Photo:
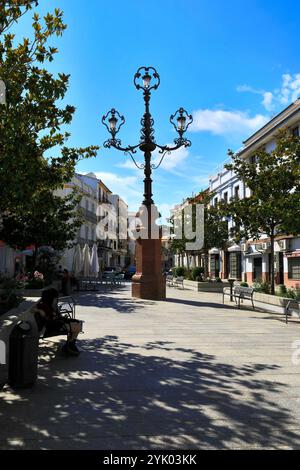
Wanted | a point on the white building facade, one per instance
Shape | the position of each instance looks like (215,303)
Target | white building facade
(120,253)
(251,261)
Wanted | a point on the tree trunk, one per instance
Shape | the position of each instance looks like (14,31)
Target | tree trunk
(272,268)
(188,261)
(206,270)
(35,255)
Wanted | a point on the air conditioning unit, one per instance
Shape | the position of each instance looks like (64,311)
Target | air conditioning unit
(266,246)
(262,246)
(285,245)
(245,247)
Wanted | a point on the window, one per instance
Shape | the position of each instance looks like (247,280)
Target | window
(253,159)
(237,192)
(235,265)
(214,265)
(216,201)
(295,132)
(225,197)
(294,268)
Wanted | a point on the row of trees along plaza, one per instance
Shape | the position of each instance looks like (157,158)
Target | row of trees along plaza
(31,123)
(272,209)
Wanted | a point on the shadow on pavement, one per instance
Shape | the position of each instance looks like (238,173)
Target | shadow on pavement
(112,299)
(195,303)
(129,396)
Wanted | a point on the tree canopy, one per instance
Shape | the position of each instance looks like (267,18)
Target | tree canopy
(34,157)
(273,207)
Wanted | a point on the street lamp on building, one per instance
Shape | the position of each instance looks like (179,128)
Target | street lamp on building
(148,282)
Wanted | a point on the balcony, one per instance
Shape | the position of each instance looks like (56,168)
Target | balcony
(89,216)
(105,245)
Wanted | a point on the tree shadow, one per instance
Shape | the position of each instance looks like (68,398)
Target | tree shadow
(155,395)
(112,299)
(196,303)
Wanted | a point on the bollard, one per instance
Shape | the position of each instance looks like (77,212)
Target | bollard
(23,356)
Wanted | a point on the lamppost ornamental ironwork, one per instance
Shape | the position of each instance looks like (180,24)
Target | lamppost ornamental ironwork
(147,79)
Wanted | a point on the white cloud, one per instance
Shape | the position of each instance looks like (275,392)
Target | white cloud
(129,188)
(127,165)
(268,100)
(170,162)
(290,89)
(288,92)
(173,160)
(245,88)
(227,123)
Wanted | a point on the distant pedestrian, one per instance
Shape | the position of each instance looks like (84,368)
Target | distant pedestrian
(66,283)
(59,272)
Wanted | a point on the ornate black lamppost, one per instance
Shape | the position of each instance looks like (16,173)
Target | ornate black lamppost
(146,285)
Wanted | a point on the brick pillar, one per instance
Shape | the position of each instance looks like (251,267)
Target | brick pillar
(148,282)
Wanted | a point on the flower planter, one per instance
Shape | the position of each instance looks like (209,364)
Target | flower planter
(31,293)
(271,299)
(205,286)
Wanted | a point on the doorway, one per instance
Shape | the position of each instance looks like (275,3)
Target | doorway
(257,268)
(280,268)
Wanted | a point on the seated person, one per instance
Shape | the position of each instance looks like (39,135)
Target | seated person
(47,315)
(59,272)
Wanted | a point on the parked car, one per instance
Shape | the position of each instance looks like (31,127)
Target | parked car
(130,271)
(112,269)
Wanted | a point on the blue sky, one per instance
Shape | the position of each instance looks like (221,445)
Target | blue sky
(232,64)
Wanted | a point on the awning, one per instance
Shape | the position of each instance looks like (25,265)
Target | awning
(234,249)
(295,254)
(214,251)
(255,254)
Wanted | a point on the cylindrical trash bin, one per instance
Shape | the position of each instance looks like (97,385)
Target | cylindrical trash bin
(23,355)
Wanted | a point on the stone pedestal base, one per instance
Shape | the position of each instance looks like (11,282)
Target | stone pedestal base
(148,282)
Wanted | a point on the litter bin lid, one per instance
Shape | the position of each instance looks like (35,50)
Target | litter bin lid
(24,325)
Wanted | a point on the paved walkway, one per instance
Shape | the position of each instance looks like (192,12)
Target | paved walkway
(186,373)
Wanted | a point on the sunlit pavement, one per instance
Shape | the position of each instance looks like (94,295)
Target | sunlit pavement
(188,373)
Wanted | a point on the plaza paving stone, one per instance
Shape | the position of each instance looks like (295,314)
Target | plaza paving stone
(188,373)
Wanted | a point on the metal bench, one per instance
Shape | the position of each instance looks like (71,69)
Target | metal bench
(120,279)
(178,282)
(66,307)
(170,280)
(109,279)
(292,309)
(89,283)
(243,293)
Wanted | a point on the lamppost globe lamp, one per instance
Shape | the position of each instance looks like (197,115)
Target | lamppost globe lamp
(113,123)
(148,282)
(146,80)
